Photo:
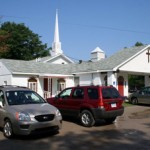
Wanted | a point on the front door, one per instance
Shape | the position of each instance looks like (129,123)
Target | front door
(121,85)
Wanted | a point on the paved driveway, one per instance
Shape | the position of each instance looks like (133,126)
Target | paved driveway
(130,131)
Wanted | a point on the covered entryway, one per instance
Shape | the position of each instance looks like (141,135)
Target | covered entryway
(47,87)
(121,85)
(53,85)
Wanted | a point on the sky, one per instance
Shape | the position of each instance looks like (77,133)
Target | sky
(84,25)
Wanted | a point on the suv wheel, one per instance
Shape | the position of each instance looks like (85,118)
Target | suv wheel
(134,101)
(7,130)
(87,118)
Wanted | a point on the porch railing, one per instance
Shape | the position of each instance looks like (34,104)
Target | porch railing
(47,94)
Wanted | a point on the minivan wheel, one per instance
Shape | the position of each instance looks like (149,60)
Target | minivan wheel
(7,130)
(87,118)
(134,101)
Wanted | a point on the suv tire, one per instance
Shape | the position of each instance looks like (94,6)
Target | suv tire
(7,129)
(87,118)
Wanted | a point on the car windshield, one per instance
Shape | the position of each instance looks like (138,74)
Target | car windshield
(23,97)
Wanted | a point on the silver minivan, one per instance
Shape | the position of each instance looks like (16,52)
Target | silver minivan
(23,112)
(141,96)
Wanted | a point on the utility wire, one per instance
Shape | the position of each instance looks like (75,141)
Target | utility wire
(107,28)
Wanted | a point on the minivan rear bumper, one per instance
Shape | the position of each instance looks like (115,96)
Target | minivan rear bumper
(101,113)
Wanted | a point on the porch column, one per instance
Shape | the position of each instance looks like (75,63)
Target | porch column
(112,79)
(126,84)
(147,80)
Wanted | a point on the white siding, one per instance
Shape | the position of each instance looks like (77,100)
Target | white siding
(138,64)
(96,79)
(22,80)
(59,61)
(91,79)
(85,79)
(5,75)
(69,82)
(112,79)
(5,79)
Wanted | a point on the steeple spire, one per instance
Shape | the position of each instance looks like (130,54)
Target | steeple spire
(56,45)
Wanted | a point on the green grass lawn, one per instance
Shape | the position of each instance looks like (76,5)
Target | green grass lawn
(126,104)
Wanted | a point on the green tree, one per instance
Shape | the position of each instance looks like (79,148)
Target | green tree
(20,42)
(135,82)
(3,37)
(138,44)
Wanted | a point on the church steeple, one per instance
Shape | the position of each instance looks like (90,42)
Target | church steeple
(56,45)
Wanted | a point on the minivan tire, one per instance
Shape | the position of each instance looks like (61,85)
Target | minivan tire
(7,129)
(86,118)
(134,101)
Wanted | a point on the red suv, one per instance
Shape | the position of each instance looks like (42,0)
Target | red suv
(89,103)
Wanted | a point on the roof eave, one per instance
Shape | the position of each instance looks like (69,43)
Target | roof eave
(43,74)
(89,72)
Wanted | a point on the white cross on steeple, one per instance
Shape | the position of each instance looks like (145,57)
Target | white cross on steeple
(56,45)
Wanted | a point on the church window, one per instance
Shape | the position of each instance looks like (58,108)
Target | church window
(32,84)
(61,84)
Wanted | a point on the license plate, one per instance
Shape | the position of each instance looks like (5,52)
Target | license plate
(113,105)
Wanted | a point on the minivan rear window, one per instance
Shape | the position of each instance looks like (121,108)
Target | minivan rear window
(109,93)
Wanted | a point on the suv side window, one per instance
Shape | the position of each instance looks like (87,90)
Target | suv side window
(65,93)
(78,93)
(92,93)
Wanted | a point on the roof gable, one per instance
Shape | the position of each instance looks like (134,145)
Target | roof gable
(121,57)
(57,59)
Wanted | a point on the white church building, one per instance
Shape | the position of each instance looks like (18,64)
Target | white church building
(51,74)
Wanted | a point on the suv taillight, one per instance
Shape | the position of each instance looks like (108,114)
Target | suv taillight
(101,104)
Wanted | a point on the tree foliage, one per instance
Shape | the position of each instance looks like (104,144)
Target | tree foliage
(3,37)
(139,44)
(135,82)
(18,42)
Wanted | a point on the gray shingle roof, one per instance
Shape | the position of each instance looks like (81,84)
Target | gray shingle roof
(19,66)
(108,63)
